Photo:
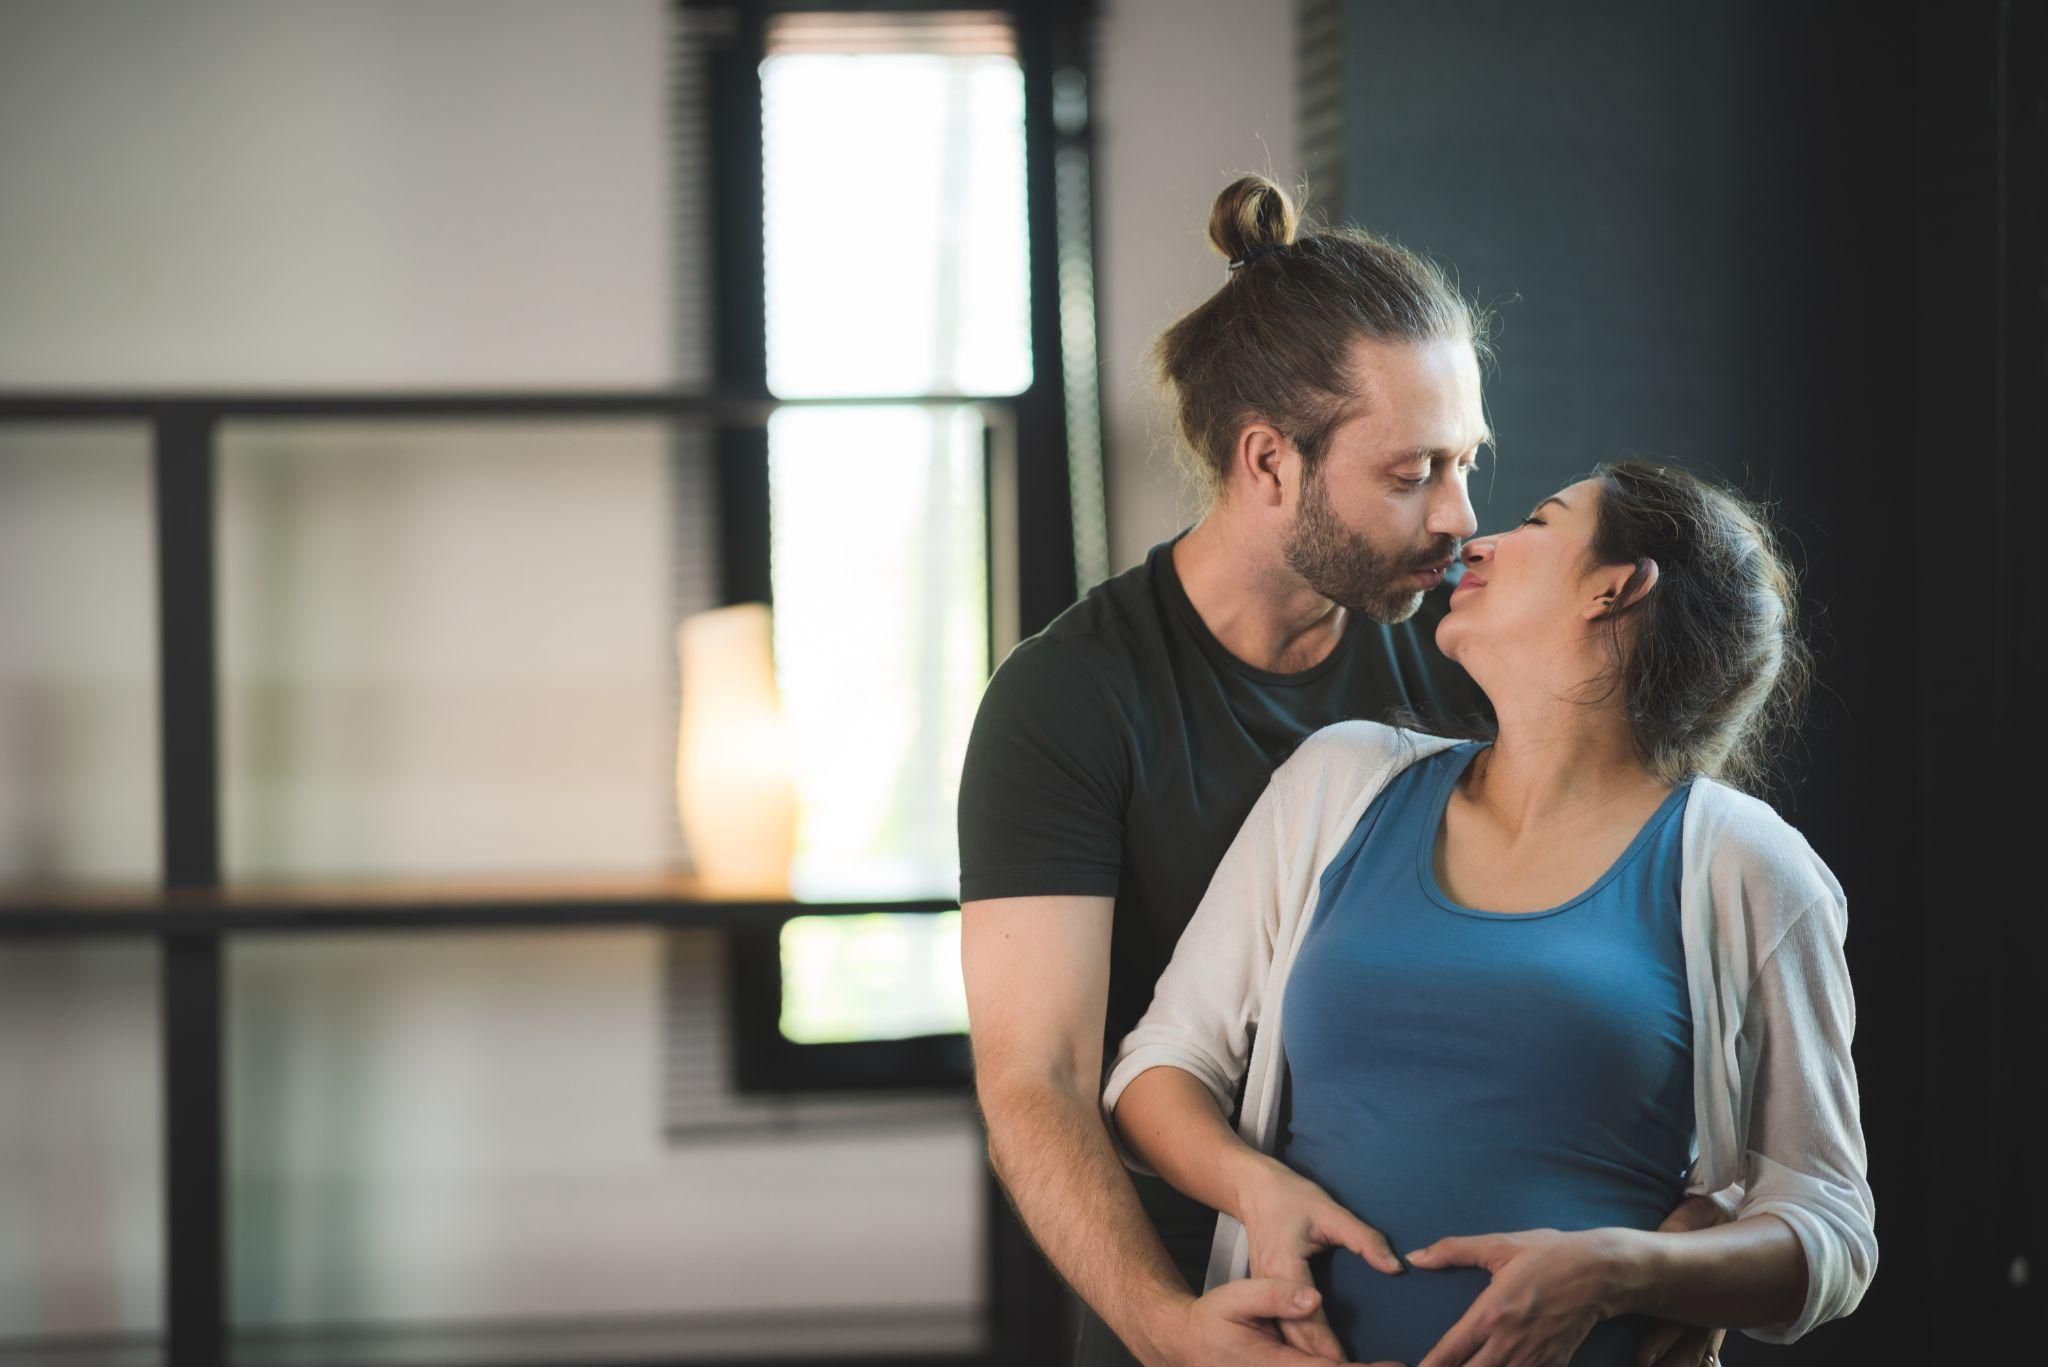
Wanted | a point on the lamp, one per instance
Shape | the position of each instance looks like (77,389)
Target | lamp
(734,790)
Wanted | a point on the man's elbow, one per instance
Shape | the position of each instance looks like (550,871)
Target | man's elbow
(1021,1091)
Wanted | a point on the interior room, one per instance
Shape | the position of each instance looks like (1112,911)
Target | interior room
(510,511)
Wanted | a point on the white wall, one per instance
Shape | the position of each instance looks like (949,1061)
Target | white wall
(447,193)
(296,192)
(443,649)
(1191,94)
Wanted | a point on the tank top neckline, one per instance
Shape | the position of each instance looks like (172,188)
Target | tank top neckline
(1440,802)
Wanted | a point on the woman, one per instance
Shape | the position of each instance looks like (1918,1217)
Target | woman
(1538,988)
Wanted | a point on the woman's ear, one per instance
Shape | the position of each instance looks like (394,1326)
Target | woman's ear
(1610,600)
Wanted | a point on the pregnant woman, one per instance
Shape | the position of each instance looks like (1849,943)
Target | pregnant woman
(1499,1004)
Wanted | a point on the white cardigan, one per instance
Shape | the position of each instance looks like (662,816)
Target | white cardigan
(1763,920)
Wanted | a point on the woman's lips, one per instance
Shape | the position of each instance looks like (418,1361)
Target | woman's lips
(1470,580)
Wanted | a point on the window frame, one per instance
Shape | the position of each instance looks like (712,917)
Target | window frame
(1029,513)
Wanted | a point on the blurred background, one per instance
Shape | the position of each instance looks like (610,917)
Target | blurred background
(408,412)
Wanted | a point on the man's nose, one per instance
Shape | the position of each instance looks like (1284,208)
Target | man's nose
(1453,515)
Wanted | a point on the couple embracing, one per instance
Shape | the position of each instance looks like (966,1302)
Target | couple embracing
(1362,972)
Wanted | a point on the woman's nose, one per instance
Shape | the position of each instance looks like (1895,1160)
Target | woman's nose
(1477,550)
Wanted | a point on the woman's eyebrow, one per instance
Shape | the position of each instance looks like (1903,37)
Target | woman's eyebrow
(1552,499)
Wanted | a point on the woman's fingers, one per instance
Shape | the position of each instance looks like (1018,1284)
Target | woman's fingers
(1339,1226)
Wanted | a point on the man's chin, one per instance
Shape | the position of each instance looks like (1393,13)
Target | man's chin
(1393,611)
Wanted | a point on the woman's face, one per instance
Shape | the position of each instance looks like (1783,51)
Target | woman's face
(1528,594)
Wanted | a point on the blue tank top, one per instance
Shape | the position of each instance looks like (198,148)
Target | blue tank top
(1458,1071)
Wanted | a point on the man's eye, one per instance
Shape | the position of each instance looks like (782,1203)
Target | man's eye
(1414,483)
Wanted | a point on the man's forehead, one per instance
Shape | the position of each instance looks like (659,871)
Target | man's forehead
(1407,413)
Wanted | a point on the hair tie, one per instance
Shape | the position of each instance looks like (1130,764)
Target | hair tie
(1257,252)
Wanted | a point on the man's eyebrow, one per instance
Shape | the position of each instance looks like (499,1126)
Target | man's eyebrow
(1438,452)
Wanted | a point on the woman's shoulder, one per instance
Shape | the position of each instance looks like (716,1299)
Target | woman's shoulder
(1336,769)
(1359,748)
(1751,856)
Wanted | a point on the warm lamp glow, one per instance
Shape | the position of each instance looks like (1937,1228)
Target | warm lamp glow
(734,789)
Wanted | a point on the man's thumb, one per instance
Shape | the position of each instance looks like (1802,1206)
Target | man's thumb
(1266,1298)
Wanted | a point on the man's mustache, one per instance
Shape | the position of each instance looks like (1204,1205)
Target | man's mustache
(1448,549)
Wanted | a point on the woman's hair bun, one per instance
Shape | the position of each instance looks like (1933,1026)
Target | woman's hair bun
(1252,212)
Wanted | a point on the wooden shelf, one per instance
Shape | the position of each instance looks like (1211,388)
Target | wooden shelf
(662,899)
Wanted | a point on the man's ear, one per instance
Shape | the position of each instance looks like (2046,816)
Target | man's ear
(1615,584)
(1261,459)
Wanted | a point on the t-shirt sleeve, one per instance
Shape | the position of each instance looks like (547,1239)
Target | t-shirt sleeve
(1042,789)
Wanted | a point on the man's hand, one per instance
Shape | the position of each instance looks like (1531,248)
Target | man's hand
(1235,1326)
(1288,1219)
(1668,1344)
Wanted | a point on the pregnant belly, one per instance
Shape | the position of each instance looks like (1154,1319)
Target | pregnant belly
(1401,1317)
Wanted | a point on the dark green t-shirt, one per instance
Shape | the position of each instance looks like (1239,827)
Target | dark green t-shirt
(1117,752)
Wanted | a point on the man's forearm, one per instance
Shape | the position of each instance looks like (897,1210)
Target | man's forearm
(1739,1275)
(1048,1146)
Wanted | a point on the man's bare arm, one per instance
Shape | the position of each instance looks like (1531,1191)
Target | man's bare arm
(1037,974)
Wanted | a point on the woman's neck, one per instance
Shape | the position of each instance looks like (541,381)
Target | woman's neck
(1558,765)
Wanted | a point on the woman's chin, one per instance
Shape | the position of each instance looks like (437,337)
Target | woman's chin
(1450,634)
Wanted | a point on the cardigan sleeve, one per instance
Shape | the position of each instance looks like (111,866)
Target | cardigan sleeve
(1804,1159)
(1205,1008)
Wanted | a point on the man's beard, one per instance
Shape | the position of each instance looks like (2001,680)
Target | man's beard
(1348,570)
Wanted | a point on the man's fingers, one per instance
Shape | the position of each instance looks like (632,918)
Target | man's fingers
(1694,1212)
(1278,1355)
(1657,1341)
(1682,1346)
(1265,1298)
(1313,1334)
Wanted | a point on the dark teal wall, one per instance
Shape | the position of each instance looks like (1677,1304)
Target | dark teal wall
(1802,245)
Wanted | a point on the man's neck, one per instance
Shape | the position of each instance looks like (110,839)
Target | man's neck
(1252,602)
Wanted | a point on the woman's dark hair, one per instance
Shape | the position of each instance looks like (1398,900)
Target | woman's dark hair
(1709,662)
(1274,342)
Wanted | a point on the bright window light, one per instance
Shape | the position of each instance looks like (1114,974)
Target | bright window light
(878,566)
(883,976)
(894,231)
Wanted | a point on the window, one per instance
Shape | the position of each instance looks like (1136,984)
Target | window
(895,266)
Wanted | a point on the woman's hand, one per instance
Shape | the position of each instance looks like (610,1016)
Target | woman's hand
(1549,1289)
(1287,1218)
